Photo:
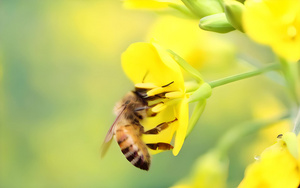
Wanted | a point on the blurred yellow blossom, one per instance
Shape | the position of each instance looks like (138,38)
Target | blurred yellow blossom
(185,37)
(275,23)
(200,48)
(153,70)
(268,107)
(86,22)
(210,171)
(278,166)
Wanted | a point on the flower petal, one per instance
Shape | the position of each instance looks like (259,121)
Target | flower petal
(182,114)
(149,63)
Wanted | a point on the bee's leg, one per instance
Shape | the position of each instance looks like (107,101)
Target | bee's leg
(160,146)
(142,108)
(160,127)
(141,92)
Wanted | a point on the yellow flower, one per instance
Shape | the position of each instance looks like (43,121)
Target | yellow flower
(186,38)
(151,68)
(277,167)
(149,4)
(275,23)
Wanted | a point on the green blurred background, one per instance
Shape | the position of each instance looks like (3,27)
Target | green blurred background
(60,77)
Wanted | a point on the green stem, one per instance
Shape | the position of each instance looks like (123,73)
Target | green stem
(236,133)
(242,76)
(297,124)
(291,73)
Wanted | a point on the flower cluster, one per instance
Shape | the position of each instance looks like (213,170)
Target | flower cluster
(157,76)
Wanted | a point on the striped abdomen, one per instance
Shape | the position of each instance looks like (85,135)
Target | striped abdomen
(136,152)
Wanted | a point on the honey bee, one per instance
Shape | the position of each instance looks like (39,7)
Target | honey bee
(127,129)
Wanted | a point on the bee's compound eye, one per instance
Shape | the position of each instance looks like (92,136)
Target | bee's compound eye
(127,102)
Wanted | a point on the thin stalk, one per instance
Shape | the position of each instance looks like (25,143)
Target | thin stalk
(297,124)
(242,76)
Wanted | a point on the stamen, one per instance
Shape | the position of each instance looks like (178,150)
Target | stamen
(174,94)
(156,91)
(159,107)
(145,85)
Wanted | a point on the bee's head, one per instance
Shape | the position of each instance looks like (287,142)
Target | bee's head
(127,99)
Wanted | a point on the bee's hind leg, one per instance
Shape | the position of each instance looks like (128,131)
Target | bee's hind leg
(156,130)
(160,127)
(160,146)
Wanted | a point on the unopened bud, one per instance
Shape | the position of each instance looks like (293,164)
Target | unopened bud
(203,8)
(216,23)
(233,11)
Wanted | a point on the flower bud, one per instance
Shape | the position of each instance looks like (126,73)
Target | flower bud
(216,23)
(233,11)
(202,8)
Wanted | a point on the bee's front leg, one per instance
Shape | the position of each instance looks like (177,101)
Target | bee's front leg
(160,127)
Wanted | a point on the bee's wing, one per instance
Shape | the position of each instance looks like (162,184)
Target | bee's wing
(109,135)
(110,132)
(104,148)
